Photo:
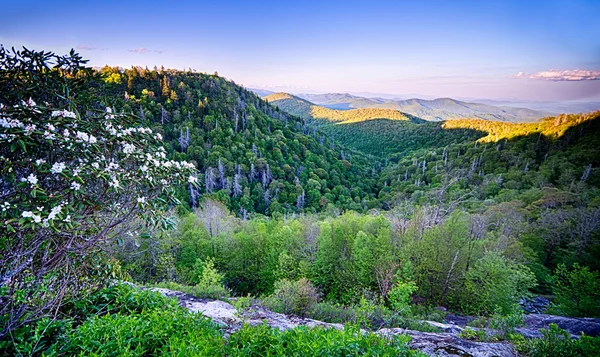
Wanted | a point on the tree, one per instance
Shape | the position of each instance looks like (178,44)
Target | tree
(72,173)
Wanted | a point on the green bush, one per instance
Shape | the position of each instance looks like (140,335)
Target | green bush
(264,341)
(149,333)
(505,324)
(557,342)
(211,282)
(577,292)
(495,282)
(473,334)
(293,297)
(399,296)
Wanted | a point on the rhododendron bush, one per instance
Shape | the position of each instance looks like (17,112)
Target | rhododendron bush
(72,172)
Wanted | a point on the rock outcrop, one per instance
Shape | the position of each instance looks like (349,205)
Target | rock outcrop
(445,343)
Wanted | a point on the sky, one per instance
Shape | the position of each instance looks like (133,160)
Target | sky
(526,50)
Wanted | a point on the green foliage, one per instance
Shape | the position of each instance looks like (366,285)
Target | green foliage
(149,333)
(399,296)
(293,297)
(577,291)
(473,334)
(65,165)
(211,282)
(505,323)
(557,342)
(264,341)
(496,283)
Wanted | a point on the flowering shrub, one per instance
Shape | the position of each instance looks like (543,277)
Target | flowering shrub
(70,176)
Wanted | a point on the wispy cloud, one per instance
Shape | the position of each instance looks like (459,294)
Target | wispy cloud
(562,75)
(86,48)
(144,50)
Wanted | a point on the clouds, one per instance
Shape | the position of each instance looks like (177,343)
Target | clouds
(144,50)
(85,48)
(562,75)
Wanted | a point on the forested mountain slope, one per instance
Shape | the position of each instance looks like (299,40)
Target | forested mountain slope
(432,110)
(251,155)
(308,110)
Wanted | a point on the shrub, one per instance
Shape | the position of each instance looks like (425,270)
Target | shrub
(150,333)
(399,296)
(293,297)
(211,282)
(73,173)
(302,341)
(505,324)
(577,292)
(473,334)
(495,282)
(557,342)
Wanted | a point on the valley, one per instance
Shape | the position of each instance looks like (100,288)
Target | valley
(369,218)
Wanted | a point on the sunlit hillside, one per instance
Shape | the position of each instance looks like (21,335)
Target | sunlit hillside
(308,110)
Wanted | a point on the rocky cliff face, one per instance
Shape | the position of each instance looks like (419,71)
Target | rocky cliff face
(445,343)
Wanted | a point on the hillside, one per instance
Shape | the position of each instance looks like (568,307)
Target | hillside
(306,109)
(250,154)
(432,110)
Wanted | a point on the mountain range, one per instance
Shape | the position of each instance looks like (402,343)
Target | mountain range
(431,110)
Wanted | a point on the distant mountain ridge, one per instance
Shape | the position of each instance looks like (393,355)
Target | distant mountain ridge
(305,109)
(432,110)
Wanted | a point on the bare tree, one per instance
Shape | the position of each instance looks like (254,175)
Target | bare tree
(184,139)
(209,180)
(237,187)
(216,219)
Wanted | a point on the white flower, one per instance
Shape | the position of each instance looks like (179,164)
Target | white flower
(144,168)
(113,183)
(67,219)
(75,186)
(29,129)
(5,206)
(95,165)
(192,179)
(57,168)
(31,179)
(40,161)
(128,148)
(109,110)
(64,114)
(141,199)
(28,214)
(48,135)
(54,212)
(10,123)
(163,181)
(82,136)
(158,136)
(50,127)
(30,103)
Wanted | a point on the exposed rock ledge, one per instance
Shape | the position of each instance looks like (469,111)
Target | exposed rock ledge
(446,343)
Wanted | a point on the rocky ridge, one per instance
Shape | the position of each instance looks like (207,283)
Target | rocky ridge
(444,343)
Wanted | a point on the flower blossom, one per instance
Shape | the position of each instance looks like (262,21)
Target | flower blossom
(32,179)
(28,214)
(63,113)
(57,168)
(75,186)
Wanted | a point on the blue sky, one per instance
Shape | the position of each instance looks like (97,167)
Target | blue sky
(480,49)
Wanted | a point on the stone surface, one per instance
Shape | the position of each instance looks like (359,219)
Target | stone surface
(219,311)
(445,344)
(536,305)
(575,326)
